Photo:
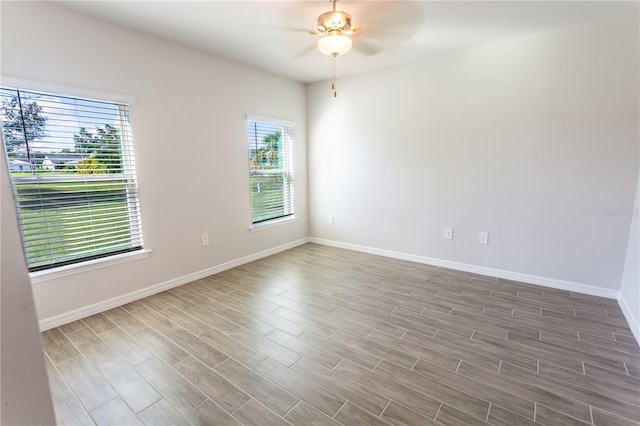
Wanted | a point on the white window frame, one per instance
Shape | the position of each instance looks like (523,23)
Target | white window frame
(69,91)
(287,140)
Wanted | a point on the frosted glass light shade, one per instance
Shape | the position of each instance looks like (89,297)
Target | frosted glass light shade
(334,44)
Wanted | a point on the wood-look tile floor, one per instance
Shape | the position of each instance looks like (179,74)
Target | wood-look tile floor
(319,335)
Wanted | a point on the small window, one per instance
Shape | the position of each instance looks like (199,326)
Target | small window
(271,169)
(73,175)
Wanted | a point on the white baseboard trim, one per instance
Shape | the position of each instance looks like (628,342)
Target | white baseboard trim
(634,322)
(95,308)
(85,311)
(499,273)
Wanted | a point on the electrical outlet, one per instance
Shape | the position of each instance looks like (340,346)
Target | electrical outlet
(330,219)
(483,238)
(448,233)
(205,239)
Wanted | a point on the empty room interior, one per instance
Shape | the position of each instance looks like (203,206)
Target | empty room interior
(320,212)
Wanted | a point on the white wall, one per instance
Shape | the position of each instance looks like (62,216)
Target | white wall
(190,140)
(630,288)
(531,139)
(25,398)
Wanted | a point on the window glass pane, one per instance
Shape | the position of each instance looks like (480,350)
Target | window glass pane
(73,174)
(270,165)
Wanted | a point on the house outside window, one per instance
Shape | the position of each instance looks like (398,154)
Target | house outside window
(270,169)
(72,170)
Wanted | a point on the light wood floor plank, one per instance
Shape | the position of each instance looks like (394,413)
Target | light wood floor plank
(324,400)
(89,385)
(126,346)
(442,392)
(347,389)
(304,414)
(198,348)
(162,413)
(413,399)
(351,414)
(208,413)
(322,335)
(258,387)
(178,391)
(124,320)
(255,414)
(308,350)
(124,379)
(216,387)
(498,397)
(402,416)
(58,346)
(161,346)
(115,413)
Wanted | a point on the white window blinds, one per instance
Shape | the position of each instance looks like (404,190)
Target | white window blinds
(271,169)
(73,174)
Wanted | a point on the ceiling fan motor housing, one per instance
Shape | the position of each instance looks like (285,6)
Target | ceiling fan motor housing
(334,21)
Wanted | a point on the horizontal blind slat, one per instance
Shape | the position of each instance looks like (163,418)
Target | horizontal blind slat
(73,178)
(271,177)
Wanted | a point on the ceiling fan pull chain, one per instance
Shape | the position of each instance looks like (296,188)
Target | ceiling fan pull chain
(335,27)
(333,74)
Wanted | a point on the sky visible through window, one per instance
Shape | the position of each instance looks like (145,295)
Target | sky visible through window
(256,135)
(64,118)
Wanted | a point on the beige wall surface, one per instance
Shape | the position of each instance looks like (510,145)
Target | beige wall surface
(630,287)
(189,126)
(534,140)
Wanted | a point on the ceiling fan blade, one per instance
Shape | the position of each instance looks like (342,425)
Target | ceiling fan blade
(306,51)
(282,28)
(366,48)
(386,24)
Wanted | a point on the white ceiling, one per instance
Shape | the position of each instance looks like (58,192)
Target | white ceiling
(252,32)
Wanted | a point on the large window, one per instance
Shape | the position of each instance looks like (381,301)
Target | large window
(271,171)
(73,174)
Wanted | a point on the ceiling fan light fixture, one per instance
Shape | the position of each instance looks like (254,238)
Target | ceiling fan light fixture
(334,25)
(334,44)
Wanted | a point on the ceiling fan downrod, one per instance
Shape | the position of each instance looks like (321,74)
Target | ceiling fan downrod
(335,20)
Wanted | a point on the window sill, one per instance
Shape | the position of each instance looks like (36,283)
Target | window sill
(272,223)
(79,268)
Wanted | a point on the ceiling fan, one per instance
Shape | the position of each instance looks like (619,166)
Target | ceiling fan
(380,25)
(336,27)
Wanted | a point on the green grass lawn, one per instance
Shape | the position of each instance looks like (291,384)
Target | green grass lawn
(74,233)
(73,220)
(43,173)
(268,203)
